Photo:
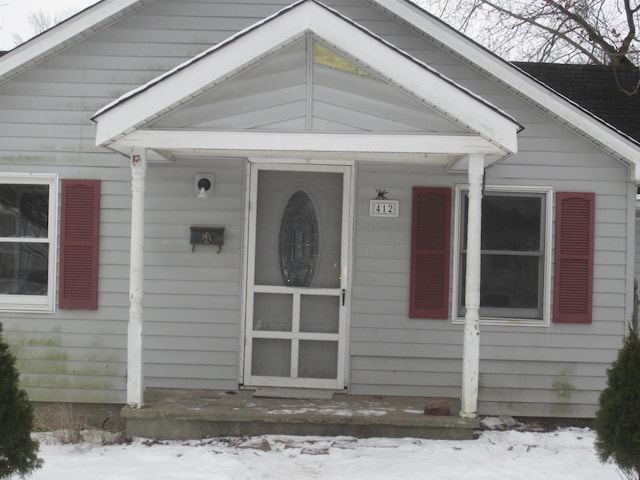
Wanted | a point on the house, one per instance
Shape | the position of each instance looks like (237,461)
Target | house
(347,195)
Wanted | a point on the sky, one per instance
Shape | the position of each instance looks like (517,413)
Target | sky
(14,15)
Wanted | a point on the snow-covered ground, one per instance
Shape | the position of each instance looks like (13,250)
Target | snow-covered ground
(564,454)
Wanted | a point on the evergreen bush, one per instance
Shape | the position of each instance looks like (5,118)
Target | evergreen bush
(617,421)
(18,451)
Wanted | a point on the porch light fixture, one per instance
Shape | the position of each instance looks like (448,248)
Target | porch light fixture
(203,184)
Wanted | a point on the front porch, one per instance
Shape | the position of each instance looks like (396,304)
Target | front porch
(192,414)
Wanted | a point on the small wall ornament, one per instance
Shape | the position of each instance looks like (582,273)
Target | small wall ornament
(382,194)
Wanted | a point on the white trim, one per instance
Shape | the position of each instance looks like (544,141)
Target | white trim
(182,84)
(345,282)
(545,321)
(471,334)
(251,143)
(37,303)
(246,207)
(135,329)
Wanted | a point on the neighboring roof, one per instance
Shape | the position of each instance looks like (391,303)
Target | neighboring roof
(595,88)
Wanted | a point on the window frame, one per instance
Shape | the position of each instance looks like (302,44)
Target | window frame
(36,303)
(547,193)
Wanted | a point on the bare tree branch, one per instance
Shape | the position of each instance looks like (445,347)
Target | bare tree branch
(40,21)
(600,30)
(573,31)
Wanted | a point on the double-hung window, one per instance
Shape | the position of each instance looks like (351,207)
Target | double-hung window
(28,220)
(515,263)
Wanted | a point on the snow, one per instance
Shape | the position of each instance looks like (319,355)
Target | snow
(563,454)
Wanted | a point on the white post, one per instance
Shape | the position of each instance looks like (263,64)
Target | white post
(471,342)
(135,388)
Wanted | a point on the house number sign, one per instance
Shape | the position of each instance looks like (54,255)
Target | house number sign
(384,208)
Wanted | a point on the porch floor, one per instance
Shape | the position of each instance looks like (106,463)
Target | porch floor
(193,414)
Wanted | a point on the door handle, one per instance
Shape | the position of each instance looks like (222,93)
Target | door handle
(344,296)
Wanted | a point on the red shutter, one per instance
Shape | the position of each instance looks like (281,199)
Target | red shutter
(430,253)
(573,274)
(79,244)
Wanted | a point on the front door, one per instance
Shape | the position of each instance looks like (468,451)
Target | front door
(297,276)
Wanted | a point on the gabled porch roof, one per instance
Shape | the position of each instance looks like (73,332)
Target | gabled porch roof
(128,122)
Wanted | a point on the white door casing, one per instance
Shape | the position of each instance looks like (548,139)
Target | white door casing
(296,335)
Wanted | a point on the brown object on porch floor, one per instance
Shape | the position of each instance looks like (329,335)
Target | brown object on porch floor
(437,407)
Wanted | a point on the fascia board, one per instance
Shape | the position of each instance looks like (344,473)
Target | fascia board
(59,37)
(248,141)
(182,85)
(511,77)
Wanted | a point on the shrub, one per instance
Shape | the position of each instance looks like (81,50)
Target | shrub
(18,451)
(617,421)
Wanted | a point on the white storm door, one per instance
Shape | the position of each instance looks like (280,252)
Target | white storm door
(297,280)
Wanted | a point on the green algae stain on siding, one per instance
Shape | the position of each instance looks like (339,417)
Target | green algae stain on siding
(51,371)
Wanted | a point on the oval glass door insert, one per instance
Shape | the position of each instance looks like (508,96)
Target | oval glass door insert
(298,243)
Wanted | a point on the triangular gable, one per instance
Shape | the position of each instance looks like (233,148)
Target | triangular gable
(310,87)
(493,131)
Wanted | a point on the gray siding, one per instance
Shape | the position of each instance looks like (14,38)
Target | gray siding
(193,299)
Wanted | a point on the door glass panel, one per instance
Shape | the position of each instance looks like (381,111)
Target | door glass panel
(275,191)
(272,312)
(271,357)
(318,359)
(319,314)
(298,241)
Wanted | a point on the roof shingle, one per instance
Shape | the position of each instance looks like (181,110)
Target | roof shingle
(594,88)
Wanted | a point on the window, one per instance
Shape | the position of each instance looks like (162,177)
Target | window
(28,219)
(514,255)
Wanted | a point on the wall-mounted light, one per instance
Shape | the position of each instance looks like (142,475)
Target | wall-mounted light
(203,185)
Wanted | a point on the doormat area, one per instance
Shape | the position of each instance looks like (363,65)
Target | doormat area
(296,393)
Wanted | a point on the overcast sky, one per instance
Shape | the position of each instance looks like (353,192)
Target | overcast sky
(14,15)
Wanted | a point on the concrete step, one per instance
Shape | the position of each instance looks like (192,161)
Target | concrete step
(195,414)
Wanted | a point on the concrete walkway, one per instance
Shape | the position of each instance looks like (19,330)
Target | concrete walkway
(193,414)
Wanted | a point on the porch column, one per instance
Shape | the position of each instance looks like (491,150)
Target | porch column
(471,342)
(135,387)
